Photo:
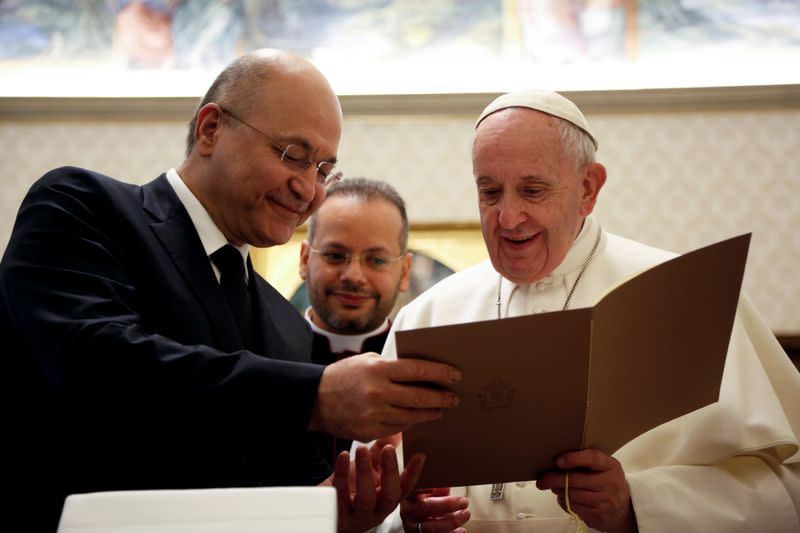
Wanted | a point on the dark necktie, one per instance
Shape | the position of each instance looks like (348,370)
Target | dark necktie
(232,281)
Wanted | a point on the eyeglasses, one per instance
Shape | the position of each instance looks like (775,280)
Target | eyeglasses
(296,157)
(372,261)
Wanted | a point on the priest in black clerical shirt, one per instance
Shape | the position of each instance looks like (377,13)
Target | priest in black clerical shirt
(355,263)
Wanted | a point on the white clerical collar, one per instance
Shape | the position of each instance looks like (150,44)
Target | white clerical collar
(580,249)
(346,343)
(210,235)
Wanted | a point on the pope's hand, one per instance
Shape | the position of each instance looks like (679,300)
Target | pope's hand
(598,491)
(365,397)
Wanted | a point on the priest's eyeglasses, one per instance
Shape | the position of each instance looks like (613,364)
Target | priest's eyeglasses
(373,261)
(296,157)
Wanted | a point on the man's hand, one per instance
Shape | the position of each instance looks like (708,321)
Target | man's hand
(434,511)
(362,502)
(598,491)
(365,397)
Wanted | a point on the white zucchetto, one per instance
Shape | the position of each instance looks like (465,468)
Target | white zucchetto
(548,102)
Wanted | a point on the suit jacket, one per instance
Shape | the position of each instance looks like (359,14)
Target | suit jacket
(123,367)
(329,445)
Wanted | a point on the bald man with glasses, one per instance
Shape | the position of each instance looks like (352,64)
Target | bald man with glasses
(142,351)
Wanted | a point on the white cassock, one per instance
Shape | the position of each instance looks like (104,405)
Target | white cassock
(731,466)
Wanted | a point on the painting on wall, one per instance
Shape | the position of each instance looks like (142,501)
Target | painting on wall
(174,47)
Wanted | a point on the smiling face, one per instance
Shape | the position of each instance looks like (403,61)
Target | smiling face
(532,200)
(238,175)
(352,297)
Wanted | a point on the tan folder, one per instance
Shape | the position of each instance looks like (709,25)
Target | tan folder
(533,387)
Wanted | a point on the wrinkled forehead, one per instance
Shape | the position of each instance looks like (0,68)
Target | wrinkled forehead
(514,128)
(516,143)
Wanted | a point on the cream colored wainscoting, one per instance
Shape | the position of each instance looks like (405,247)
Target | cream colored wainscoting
(683,171)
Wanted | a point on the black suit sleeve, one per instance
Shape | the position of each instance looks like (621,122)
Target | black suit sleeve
(75,292)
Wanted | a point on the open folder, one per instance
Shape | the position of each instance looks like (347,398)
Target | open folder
(651,350)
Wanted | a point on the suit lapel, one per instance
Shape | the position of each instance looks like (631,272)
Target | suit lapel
(174,229)
(259,332)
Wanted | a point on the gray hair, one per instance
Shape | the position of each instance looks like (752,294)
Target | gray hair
(366,190)
(575,142)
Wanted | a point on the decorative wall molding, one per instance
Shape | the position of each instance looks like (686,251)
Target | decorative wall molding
(650,100)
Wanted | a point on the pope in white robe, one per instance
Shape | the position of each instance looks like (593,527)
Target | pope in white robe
(732,466)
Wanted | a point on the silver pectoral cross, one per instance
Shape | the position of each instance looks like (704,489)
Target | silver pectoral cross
(497,491)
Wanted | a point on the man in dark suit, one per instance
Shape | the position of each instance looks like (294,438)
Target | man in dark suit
(143,352)
(355,263)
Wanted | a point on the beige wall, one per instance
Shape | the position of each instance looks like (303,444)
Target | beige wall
(684,170)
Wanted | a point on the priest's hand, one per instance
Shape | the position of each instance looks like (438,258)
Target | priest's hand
(598,491)
(370,488)
(365,397)
(434,511)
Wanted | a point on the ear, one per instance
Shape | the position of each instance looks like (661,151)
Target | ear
(594,178)
(405,271)
(304,253)
(209,121)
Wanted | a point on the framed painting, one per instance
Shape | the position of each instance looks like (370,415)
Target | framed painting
(153,48)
